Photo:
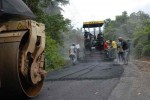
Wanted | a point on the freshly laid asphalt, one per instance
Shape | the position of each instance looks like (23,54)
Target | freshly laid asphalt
(91,79)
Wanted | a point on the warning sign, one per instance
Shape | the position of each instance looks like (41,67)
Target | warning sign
(20,26)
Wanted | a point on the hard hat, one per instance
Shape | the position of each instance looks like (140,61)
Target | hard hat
(120,38)
(108,41)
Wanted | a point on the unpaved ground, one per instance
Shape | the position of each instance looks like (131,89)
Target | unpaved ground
(143,65)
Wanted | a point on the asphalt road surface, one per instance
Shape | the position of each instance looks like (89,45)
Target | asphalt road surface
(92,79)
(96,78)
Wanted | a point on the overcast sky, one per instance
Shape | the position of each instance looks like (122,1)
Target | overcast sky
(91,10)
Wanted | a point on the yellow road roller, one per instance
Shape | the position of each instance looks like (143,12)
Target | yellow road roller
(22,50)
(22,58)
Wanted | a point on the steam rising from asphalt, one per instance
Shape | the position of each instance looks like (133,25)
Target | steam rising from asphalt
(73,36)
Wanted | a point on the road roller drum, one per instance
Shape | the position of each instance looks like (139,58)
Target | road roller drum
(22,58)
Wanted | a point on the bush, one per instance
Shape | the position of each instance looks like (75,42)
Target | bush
(138,51)
(54,59)
(146,51)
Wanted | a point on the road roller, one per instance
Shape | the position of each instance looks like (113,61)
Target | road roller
(22,58)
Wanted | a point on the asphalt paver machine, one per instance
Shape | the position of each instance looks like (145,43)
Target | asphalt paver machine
(91,39)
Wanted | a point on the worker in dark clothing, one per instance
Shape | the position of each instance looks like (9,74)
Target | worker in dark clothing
(88,40)
(100,41)
(125,49)
(88,35)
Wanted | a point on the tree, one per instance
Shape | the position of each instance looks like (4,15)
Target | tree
(122,19)
(135,27)
(48,6)
(53,6)
(55,26)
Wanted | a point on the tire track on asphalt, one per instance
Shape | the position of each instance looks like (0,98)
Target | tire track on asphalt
(82,74)
(79,71)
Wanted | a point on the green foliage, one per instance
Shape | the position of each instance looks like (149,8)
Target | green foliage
(146,51)
(110,36)
(120,20)
(40,5)
(143,39)
(141,36)
(33,4)
(136,26)
(55,26)
(138,51)
(46,3)
(117,27)
(53,58)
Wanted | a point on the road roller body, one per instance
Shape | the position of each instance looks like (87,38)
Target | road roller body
(22,58)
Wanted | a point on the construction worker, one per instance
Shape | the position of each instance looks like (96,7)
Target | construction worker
(124,46)
(78,51)
(113,48)
(73,53)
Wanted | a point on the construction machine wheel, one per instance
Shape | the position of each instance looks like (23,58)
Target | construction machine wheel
(22,69)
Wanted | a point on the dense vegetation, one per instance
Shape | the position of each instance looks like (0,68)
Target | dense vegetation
(49,13)
(135,27)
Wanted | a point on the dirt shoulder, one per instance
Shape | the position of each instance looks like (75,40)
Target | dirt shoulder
(143,64)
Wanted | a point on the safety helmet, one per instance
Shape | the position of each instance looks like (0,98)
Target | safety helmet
(120,38)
